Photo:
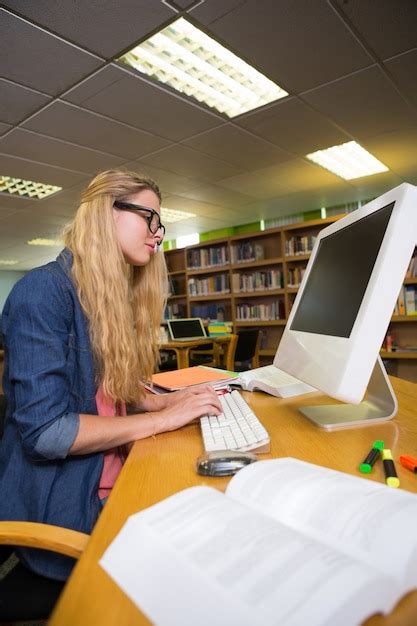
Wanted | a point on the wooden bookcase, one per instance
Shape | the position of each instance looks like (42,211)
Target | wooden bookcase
(251,280)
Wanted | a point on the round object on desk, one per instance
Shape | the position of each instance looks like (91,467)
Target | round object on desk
(223,463)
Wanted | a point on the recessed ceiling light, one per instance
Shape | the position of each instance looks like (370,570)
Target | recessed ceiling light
(193,63)
(26,188)
(349,160)
(172,215)
(45,242)
(8,262)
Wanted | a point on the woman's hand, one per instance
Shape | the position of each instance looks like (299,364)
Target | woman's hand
(185,405)
(158,402)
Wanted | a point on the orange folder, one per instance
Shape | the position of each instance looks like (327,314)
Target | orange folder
(178,379)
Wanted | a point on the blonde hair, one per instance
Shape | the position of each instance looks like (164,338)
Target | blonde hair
(123,304)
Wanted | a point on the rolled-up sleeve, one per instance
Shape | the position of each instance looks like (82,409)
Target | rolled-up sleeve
(39,317)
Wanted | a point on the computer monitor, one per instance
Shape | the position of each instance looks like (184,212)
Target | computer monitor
(343,307)
(186,329)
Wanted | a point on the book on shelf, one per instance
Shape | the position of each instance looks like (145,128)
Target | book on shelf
(217,329)
(410,300)
(287,543)
(412,268)
(300,244)
(272,380)
(273,310)
(407,301)
(247,251)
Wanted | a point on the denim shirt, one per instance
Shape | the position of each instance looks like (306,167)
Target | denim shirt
(49,379)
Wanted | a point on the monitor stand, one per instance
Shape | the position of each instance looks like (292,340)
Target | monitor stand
(379,405)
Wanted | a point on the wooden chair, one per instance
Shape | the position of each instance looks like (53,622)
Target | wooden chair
(25,595)
(229,353)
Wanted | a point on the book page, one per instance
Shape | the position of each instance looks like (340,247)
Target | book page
(274,381)
(199,557)
(368,520)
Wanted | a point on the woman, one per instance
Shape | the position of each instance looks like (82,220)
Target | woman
(81,336)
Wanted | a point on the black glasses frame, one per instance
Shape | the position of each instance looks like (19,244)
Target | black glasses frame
(153,219)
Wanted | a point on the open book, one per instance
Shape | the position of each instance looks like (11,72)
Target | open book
(289,543)
(273,381)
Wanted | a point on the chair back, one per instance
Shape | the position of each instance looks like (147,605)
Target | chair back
(247,348)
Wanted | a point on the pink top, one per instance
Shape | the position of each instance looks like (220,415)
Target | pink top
(114,458)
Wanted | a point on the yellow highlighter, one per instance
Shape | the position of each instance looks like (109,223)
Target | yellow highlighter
(391,477)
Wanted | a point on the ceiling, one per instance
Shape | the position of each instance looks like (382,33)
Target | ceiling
(68,110)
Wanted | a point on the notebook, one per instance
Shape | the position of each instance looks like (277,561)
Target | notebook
(186,329)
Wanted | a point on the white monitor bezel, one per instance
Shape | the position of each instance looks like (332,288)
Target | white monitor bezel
(338,366)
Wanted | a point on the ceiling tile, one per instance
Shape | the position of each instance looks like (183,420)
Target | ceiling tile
(54,64)
(285,41)
(142,104)
(4,128)
(168,182)
(18,102)
(29,170)
(88,129)
(403,69)
(386,26)
(294,126)
(29,145)
(102,27)
(201,209)
(185,161)
(397,150)
(15,203)
(380,184)
(95,84)
(207,12)
(213,194)
(363,104)
(280,180)
(238,147)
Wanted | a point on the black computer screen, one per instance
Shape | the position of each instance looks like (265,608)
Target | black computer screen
(340,274)
(187,328)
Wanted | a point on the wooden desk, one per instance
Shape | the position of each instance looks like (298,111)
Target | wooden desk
(182,348)
(157,468)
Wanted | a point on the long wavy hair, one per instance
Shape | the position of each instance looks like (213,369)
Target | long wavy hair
(123,303)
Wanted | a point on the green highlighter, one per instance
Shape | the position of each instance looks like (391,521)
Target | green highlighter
(375,452)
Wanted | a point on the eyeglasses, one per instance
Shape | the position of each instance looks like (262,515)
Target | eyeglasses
(150,215)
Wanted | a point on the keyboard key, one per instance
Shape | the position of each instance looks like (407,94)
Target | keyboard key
(237,428)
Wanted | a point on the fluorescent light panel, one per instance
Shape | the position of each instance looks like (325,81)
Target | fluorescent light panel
(172,215)
(349,160)
(45,242)
(193,63)
(26,188)
(8,262)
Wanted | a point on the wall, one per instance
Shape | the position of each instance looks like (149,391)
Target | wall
(7,280)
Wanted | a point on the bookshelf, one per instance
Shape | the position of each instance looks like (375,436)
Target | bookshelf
(251,280)
(177,305)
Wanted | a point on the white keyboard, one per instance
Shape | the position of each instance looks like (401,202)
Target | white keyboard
(237,428)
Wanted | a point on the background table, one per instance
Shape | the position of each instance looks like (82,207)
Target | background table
(182,348)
